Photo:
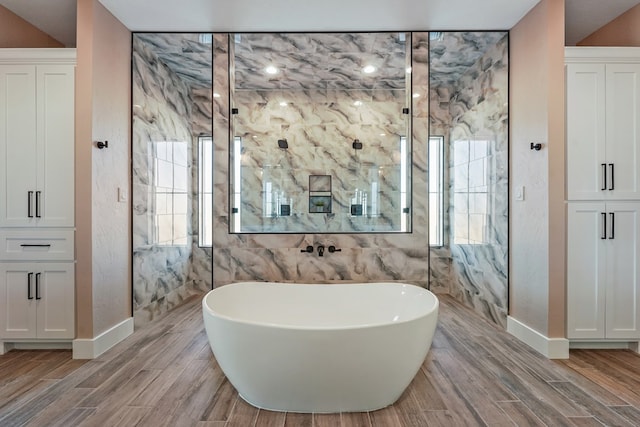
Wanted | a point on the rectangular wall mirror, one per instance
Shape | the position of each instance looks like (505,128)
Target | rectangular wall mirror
(311,109)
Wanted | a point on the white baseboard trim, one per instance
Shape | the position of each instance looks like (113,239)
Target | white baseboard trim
(552,348)
(91,348)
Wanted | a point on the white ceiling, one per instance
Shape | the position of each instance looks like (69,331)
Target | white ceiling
(57,17)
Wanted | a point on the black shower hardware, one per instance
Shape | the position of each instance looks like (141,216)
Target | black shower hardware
(308,249)
(536,146)
(282,143)
(357,145)
(102,145)
(333,249)
(320,250)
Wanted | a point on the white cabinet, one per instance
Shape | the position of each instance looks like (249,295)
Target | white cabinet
(603,282)
(603,193)
(603,130)
(37,145)
(37,300)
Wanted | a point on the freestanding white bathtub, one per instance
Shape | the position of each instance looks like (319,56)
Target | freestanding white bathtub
(320,348)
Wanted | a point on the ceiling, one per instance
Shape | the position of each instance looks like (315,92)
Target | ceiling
(58,17)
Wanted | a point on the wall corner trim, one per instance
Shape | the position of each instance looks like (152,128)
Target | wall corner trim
(94,347)
(552,348)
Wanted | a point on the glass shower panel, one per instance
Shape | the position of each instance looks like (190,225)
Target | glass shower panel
(171,114)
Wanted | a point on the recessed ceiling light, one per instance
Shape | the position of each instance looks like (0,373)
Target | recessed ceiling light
(271,70)
(216,95)
(357,103)
(283,103)
(416,95)
(369,69)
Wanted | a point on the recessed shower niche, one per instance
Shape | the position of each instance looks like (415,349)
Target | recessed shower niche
(310,108)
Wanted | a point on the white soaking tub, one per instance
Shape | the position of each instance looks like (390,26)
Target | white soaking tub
(320,348)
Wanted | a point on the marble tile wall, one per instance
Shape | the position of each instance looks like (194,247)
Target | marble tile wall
(165,114)
(396,257)
(478,184)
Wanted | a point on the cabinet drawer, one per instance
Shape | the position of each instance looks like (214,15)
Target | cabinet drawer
(36,245)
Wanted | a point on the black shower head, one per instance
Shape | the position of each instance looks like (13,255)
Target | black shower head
(282,143)
(357,145)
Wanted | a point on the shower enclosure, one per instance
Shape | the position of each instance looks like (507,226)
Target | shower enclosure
(234,173)
(172,169)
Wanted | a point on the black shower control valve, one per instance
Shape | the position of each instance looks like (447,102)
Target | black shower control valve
(333,249)
(308,249)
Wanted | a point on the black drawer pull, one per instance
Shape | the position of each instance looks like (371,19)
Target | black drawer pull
(29,198)
(38,285)
(613,225)
(38,204)
(29,245)
(612,173)
(29,276)
(603,236)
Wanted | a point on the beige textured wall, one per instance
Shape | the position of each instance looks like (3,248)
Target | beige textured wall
(16,32)
(103,272)
(537,115)
(622,31)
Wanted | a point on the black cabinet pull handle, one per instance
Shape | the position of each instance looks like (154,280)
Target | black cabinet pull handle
(29,245)
(333,249)
(613,225)
(604,226)
(29,276)
(308,249)
(604,176)
(38,286)
(29,198)
(38,204)
(611,168)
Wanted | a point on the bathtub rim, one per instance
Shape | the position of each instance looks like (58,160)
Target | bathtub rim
(434,308)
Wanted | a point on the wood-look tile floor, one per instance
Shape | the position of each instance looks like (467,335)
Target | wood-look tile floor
(474,375)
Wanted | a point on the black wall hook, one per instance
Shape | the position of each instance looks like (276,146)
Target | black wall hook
(535,146)
(102,145)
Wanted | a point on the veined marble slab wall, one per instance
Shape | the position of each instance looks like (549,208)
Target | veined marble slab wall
(478,185)
(320,127)
(401,257)
(166,268)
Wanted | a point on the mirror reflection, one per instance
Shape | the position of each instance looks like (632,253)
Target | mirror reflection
(320,126)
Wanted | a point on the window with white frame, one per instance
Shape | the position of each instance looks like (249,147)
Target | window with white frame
(436,191)
(205,191)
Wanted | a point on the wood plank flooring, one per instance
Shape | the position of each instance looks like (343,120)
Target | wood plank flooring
(475,375)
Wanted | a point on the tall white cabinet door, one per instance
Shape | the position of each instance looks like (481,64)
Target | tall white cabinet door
(18,153)
(586,270)
(54,198)
(623,131)
(623,280)
(17,301)
(586,132)
(54,288)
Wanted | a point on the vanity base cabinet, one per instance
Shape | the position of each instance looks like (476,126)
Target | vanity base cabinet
(37,301)
(603,282)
